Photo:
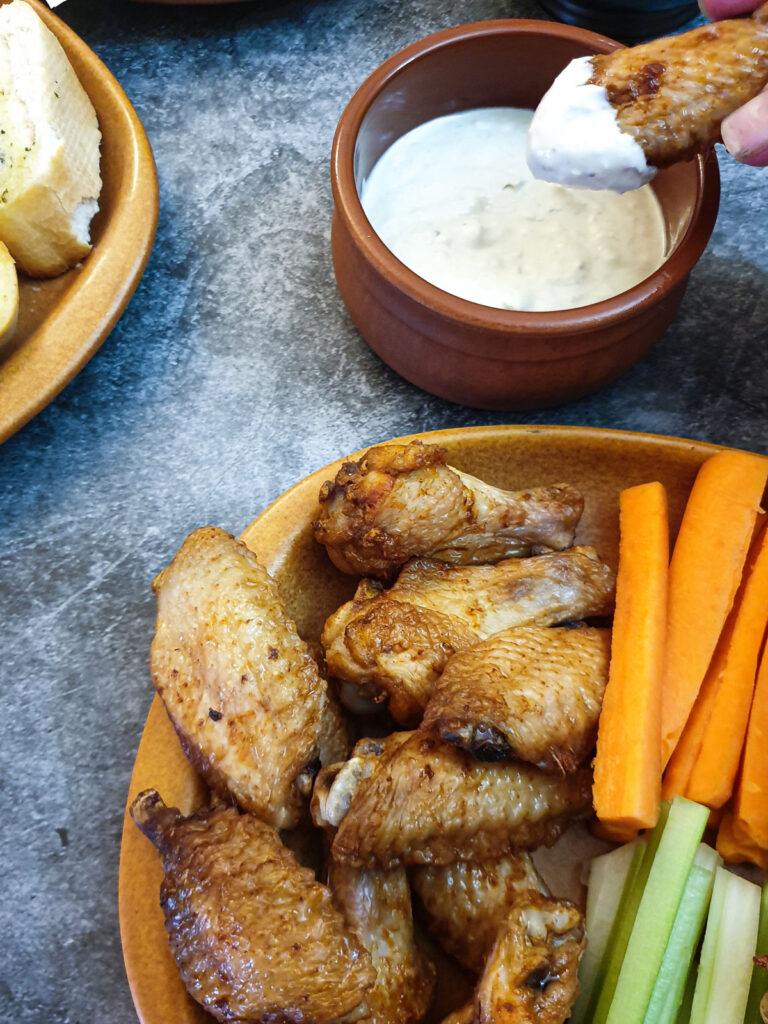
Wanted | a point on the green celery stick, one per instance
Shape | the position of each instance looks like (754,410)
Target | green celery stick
(669,988)
(656,912)
(759,985)
(725,971)
(684,1013)
(607,876)
(602,996)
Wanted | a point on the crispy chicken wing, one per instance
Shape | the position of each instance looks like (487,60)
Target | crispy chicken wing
(531,975)
(238,683)
(467,903)
(255,937)
(530,692)
(376,906)
(400,640)
(423,801)
(403,500)
(672,94)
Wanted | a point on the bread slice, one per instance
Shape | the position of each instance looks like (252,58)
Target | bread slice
(9,297)
(49,148)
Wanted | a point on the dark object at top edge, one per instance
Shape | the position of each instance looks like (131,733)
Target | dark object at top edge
(624,21)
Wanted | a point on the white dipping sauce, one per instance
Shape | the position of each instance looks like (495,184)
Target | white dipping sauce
(575,138)
(454,201)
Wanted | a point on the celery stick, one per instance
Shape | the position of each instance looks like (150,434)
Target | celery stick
(607,875)
(684,1013)
(656,911)
(669,988)
(602,996)
(725,971)
(759,985)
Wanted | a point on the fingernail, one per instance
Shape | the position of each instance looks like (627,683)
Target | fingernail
(745,132)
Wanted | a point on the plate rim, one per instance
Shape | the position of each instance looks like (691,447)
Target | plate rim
(269,521)
(28,382)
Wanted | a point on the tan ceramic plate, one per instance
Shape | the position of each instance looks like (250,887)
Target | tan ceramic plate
(63,321)
(600,462)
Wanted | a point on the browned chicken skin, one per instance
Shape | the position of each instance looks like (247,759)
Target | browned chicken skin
(671,95)
(530,692)
(376,906)
(427,802)
(254,936)
(400,640)
(403,500)
(467,903)
(531,975)
(245,697)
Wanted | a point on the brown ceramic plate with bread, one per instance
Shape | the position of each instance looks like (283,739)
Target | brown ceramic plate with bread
(599,462)
(63,321)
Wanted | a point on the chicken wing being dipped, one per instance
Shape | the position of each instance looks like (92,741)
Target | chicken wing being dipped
(531,974)
(423,801)
(254,936)
(531,692)
(467,903)
(376,906)
(399,640)
(245,697)
(610,121)
(403,500)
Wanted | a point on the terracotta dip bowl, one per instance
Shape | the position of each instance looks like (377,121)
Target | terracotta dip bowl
(461,350)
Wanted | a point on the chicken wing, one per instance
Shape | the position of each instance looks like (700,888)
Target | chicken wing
(531,975)
(254,936)
(657,103)
(245,697)
(376,906)
(400,640)
(531,692)
(427,802)
(403,500)
(467,903)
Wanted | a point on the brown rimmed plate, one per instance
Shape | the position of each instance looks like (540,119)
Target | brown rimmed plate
(63,321)
(600,462)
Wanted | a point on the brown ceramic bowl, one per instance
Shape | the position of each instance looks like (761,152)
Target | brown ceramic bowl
(461,350)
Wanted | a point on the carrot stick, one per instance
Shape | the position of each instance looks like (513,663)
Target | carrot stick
(627,782)
(750,801)
(734,849)
(704,574)
(713,775)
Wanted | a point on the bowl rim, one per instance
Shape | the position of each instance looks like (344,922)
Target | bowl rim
(580,320)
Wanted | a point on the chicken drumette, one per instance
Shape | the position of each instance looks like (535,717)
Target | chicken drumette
(254,936)
(246,699)
(403,500)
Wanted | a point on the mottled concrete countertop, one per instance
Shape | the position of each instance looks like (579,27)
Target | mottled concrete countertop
(234,372)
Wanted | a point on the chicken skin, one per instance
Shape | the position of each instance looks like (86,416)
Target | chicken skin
(254,936)
(398,641)
(376,906)
(531,975)
(423,801)
(671,95)
(467,903)
(244,696)
(403,500)
(531,692)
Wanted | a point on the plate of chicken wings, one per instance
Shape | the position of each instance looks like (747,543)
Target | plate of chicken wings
(342,809)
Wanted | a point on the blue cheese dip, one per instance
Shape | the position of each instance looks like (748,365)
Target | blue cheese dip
(454,201)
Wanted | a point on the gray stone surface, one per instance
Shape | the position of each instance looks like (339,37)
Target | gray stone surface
(234,372)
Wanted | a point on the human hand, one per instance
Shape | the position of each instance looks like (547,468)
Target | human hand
(745,132)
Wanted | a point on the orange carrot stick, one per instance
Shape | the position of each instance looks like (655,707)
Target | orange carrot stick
(704,574)
(734,849)
(750,801)
(713,775)
(627,784)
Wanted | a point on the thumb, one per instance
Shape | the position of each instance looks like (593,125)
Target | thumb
(717,9)
(745,132)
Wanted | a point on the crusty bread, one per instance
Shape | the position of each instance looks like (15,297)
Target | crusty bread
(49,148)
(9,297)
